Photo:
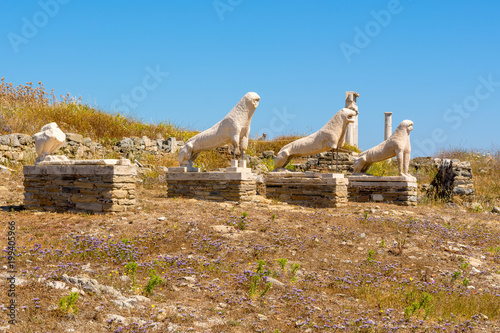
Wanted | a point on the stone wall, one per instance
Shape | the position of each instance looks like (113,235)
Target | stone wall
(323,162)
(80,188)
(307,189)
(20,148)
(453,178)
(317,163)
(16,147)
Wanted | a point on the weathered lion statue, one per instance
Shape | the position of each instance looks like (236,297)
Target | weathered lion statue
(398,144)
(233,129)
(329,137)
(47,141)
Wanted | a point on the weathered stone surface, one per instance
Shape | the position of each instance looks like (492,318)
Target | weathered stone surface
(214,186)
(453,178)
(47,141)
(399,190)
(79,188)
(74,137)
(307,189)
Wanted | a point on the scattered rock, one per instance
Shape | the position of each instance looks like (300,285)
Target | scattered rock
(476,206)
(5,170)
(74,137)
(268,154)
(117,318)
(261,317)
(276,283)
(188,279)
(87,268)
(451,205)
(496,210)
(162,218)
(161,316)
(452,249)
(223,228)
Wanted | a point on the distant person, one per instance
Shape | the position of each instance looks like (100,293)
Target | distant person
(264,135)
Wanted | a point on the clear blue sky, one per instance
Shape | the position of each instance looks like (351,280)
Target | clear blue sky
(436,63)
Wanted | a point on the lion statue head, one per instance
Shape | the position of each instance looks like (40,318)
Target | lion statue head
(251,99)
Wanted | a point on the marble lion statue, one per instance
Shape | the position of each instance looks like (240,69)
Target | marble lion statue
(398,144)
(330,136)
(233,129)
(47,141)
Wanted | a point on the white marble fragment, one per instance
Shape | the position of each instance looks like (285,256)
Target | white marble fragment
(47,141)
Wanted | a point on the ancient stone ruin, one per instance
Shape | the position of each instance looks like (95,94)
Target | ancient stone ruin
(236,183)
(56,183)
(454,178)
(307,189)
(399,190)
(96,186)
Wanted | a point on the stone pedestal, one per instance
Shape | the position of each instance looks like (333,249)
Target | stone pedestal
(80,186)
(393,189)
(234,184)
(307,188)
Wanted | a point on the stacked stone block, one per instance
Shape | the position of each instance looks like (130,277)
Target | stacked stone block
(80,188)
(453,178)
(396,190)
(307,188)
(324,162)
(236,185)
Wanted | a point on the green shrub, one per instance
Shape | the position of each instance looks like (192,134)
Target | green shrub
(67,304)
(154,281)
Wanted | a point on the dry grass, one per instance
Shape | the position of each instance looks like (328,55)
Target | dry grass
(257,147)
(486,172)
(26,108)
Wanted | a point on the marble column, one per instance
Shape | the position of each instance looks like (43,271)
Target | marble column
(388,125)
(351,136)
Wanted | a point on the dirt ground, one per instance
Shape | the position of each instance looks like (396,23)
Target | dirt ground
(261,266)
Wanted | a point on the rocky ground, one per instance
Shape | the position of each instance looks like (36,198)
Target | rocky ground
(176,265)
